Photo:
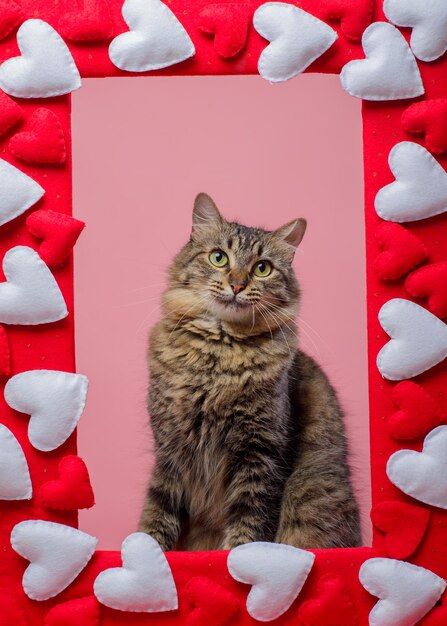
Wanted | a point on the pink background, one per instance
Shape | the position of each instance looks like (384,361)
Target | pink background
(142,149)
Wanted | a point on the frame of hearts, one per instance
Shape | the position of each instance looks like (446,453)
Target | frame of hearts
(391,55)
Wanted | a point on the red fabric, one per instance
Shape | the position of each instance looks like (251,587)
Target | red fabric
(11,15)
(79,612)
(438,615)
(418,413)
(43,142)
(402,251)
(91,23)
(72,490)
(210,603)
(355,15)
(58,232)
(11,610)
(229,24)
(430,282)
(404,526)
(5,353)
(428,118)
(333,605)
(10,113)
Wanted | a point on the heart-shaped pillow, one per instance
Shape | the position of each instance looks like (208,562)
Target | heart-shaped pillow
(401,251)
(79,612)
(44,142)
(418,412)
(430,282)
(333,599)
(72,490)
(404,526)
(15,481)
(58,232)
(428,117)
(18,192)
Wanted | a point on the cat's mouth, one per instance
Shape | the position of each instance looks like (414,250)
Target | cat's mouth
(233,303)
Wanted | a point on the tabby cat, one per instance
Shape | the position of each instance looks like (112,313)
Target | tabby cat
(249,435)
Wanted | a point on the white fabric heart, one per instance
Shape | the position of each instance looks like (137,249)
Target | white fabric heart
(15,481)
(57,554)
(389,72)
(143,584)
(418,340)
(277,573)
(157,39)
(54,400)
(18,192)
(406,592)
(420,188)
(30,294)
(423,475)
(46,67)
(297,40)
(428,20)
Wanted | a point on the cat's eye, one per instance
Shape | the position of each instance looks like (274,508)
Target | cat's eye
(218,258)
(263,269)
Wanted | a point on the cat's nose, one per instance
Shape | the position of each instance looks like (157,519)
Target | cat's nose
(237,287)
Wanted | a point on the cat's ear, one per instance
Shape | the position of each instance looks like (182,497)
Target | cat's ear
(205,213)
(292,232)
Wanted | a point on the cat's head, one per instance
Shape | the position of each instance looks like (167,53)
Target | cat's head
(235,273)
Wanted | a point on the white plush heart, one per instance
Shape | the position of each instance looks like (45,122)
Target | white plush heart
(57,554)
(15,481)
(18,192)
(46,67)
(423,475)
(418,340)
(156,39)
(420,188)
(428,20)
(143,584)
(30,294)
(389,72)
(406,592)
(54,400)
(277,573)
(297,40)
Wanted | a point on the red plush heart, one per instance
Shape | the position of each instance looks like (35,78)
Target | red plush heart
(354,15)
(11,613)
(430,119)
(430,282)
(211,603)
(44,142)
(92,23)
(72,490)
(11,14)
(79,612)
(59,233)
(404,526)
(333,600)
(402,251)
(5,353)
(418,413)
(229,24)
(10,113)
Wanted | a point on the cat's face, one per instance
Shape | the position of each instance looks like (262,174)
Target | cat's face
(236,273)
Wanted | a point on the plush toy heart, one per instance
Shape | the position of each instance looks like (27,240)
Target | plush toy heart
(418,340)
(355,15)
(402,251)
(417,415)
(5,353)
(54,400)
(43,143)
(92,23)
(30,294)
(297,40)
(428,117)
(428,21)
(212,603)
(46,67)
(59,234)
(57,554)
(18,192)
(15,481)
(333,599)
(420,188)
(12,610)
(72,490)
(276,572)
(10,113)
(430,282)
(156,38)
(404,526)
(229,24)
(389,72)
(143,584)
(11,14)
(80,612)
(423,475)
(406,592)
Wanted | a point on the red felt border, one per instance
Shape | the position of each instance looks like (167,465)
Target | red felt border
(52,346)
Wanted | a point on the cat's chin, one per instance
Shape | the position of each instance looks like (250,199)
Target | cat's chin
(233,310)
